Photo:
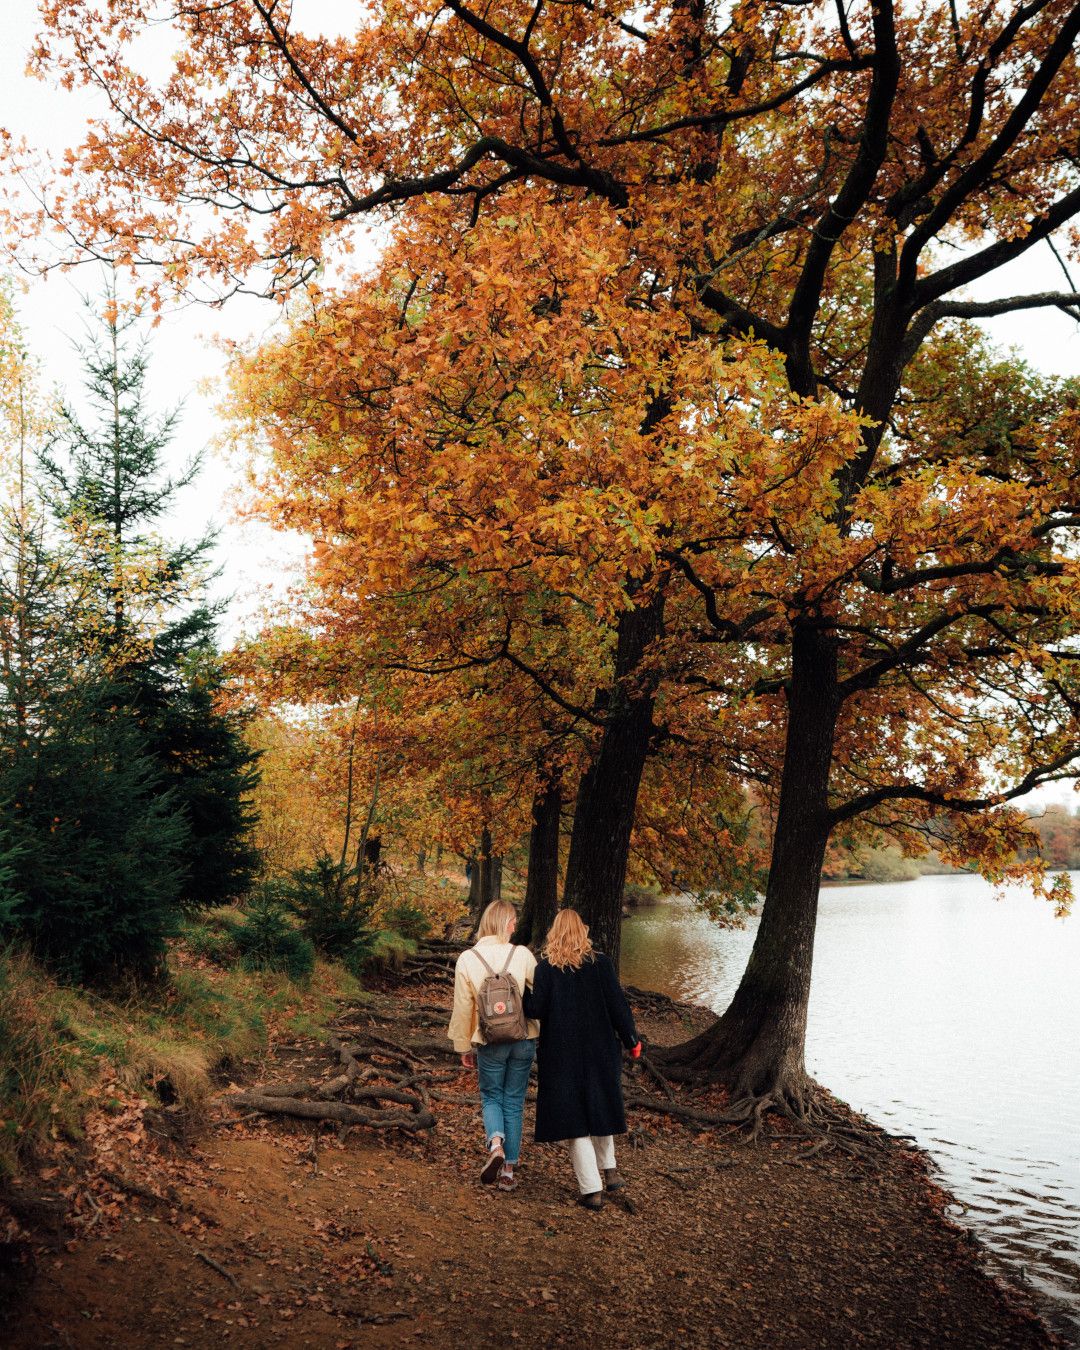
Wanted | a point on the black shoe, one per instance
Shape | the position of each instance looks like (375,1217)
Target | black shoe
(594,1200)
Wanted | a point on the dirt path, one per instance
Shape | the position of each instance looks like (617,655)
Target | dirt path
(279,1240)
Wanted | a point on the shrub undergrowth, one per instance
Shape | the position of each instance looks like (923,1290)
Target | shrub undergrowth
(59,1044)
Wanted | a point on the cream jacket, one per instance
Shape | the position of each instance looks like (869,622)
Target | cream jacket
(469,975)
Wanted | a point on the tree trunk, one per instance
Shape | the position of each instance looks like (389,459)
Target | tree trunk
(607,795)
(481,879)
(758,1045)
(542,879)
(362,847)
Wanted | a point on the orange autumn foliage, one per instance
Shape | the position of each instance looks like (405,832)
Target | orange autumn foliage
(671,321)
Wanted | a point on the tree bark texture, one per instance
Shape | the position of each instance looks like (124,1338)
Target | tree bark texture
(607,794)
(758,1045)
(542,879)
(482,878)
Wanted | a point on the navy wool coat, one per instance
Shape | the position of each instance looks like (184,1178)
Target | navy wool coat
(583,1016)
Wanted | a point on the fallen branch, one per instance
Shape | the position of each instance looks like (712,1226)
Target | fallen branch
(426,970)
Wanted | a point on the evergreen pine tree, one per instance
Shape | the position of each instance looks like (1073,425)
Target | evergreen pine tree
(91,844)
(98,845)
(150,622)
(176,690)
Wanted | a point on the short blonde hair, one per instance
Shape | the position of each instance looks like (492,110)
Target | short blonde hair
(496,919)
(568,944)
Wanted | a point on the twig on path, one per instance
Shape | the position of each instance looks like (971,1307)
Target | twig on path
(225,1275)
(235,1120)
(313,1150)
(97,1210)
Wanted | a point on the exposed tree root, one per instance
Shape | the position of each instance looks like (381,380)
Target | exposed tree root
(760,1062)
(343,1112)
(654,1073)
(383,1083)
(417,968)
(681,1110)
(817,1119)
(653,1002)
(390,1072)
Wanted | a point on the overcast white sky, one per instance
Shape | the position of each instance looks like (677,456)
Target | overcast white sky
(186,365)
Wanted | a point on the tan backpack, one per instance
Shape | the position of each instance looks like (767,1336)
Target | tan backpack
(498,1004)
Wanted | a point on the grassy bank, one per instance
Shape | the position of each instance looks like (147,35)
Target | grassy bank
(66,1051)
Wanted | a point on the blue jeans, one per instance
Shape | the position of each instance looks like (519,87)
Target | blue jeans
(503,1071)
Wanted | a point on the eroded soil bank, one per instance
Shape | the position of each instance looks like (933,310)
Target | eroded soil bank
(280,1232)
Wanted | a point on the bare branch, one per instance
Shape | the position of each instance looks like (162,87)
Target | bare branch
(988,309)
(1063,766)
(979,170)
(723,117)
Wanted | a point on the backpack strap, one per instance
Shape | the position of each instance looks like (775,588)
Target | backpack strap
(506,963)
(476,953)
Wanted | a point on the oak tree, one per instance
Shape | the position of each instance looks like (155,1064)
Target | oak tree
(759,223)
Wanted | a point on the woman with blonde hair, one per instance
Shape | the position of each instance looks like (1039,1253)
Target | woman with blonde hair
(583,1016)
(503,1054)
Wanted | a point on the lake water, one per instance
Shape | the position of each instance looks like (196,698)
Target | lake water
(942,1013)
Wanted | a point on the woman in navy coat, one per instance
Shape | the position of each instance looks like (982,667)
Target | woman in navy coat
(583,1016)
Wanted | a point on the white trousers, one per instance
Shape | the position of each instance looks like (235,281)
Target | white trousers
(590,1155)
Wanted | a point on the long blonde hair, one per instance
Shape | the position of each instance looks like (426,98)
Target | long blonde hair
(496,919)
(568,944)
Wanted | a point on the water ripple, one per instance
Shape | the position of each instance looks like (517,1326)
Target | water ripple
(943,1014)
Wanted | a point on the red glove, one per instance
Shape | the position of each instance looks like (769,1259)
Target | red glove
(636,1052)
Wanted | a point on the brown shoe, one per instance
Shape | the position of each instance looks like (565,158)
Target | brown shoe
(594,1200)
(612,1180)
(493,1166)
